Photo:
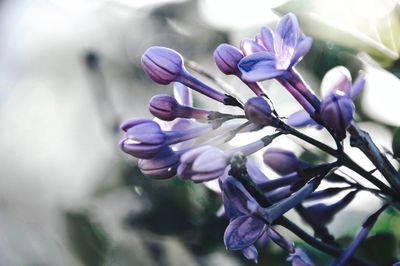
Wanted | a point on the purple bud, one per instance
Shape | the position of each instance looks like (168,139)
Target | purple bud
(162,64)
(143,138)
(227,57)
(259,112)
(163,107)
(338,78)
(337,111)
(203,164)
(325,213)
(250,253)
(280,240)
(283,161)
(162,166)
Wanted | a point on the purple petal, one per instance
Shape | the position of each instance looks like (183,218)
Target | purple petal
(287,36)
(338,78)
(242,232)
(259,66)
(212,159)
(280,240)
(267,38)
(162,166)
(256,175)
(302,118)
(227,57)
(249,47)
(250,253)
(358,85)
(234,197)
(301,49)
(337,111)
(183,94)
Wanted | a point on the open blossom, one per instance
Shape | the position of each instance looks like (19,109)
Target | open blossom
(280,51)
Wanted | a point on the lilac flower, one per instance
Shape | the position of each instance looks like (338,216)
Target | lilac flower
(244,229)
(335,84)
(164,65)
(326,213)
(337,111)
(280,52)
(167,108)
(283,161)
(144,138)
(227,58)
(258,111)
(203,164)
(163,165)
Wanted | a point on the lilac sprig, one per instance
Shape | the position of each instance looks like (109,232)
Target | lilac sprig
(193,143)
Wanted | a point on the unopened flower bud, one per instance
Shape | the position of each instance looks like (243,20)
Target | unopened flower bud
(227,57)
(143,138)
(258,111)
(337,111)
(162,64)
(283,161)
(167,108)
(163,107)
(162,166)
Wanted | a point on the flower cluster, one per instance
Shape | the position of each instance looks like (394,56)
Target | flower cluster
(190,142)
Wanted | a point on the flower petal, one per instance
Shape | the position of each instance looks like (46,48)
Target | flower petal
(267,38)
(242,232)
(338,78)
(259,66)
(249,47)
(302,118)
(358,85)
(250,253)
(234,197)
(287,36)
(301,49)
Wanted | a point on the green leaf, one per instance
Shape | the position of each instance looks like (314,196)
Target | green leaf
(380,248)
(396,143)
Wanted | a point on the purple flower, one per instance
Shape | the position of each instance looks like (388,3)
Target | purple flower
(258,111)
(244,229)
(144,138)
(167,108)
(280,52)
(227,58)
(337,111)
(164,65)
(336,81)
(283,161)
(203,164)
(163,165)
(325,213)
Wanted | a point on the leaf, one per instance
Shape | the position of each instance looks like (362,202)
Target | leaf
(396,143)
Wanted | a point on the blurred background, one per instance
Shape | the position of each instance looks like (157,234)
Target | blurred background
(70,74)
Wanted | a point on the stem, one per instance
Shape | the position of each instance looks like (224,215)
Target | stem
(239,171)
(343,157)
(193,65)
(322,246)
(363,141)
